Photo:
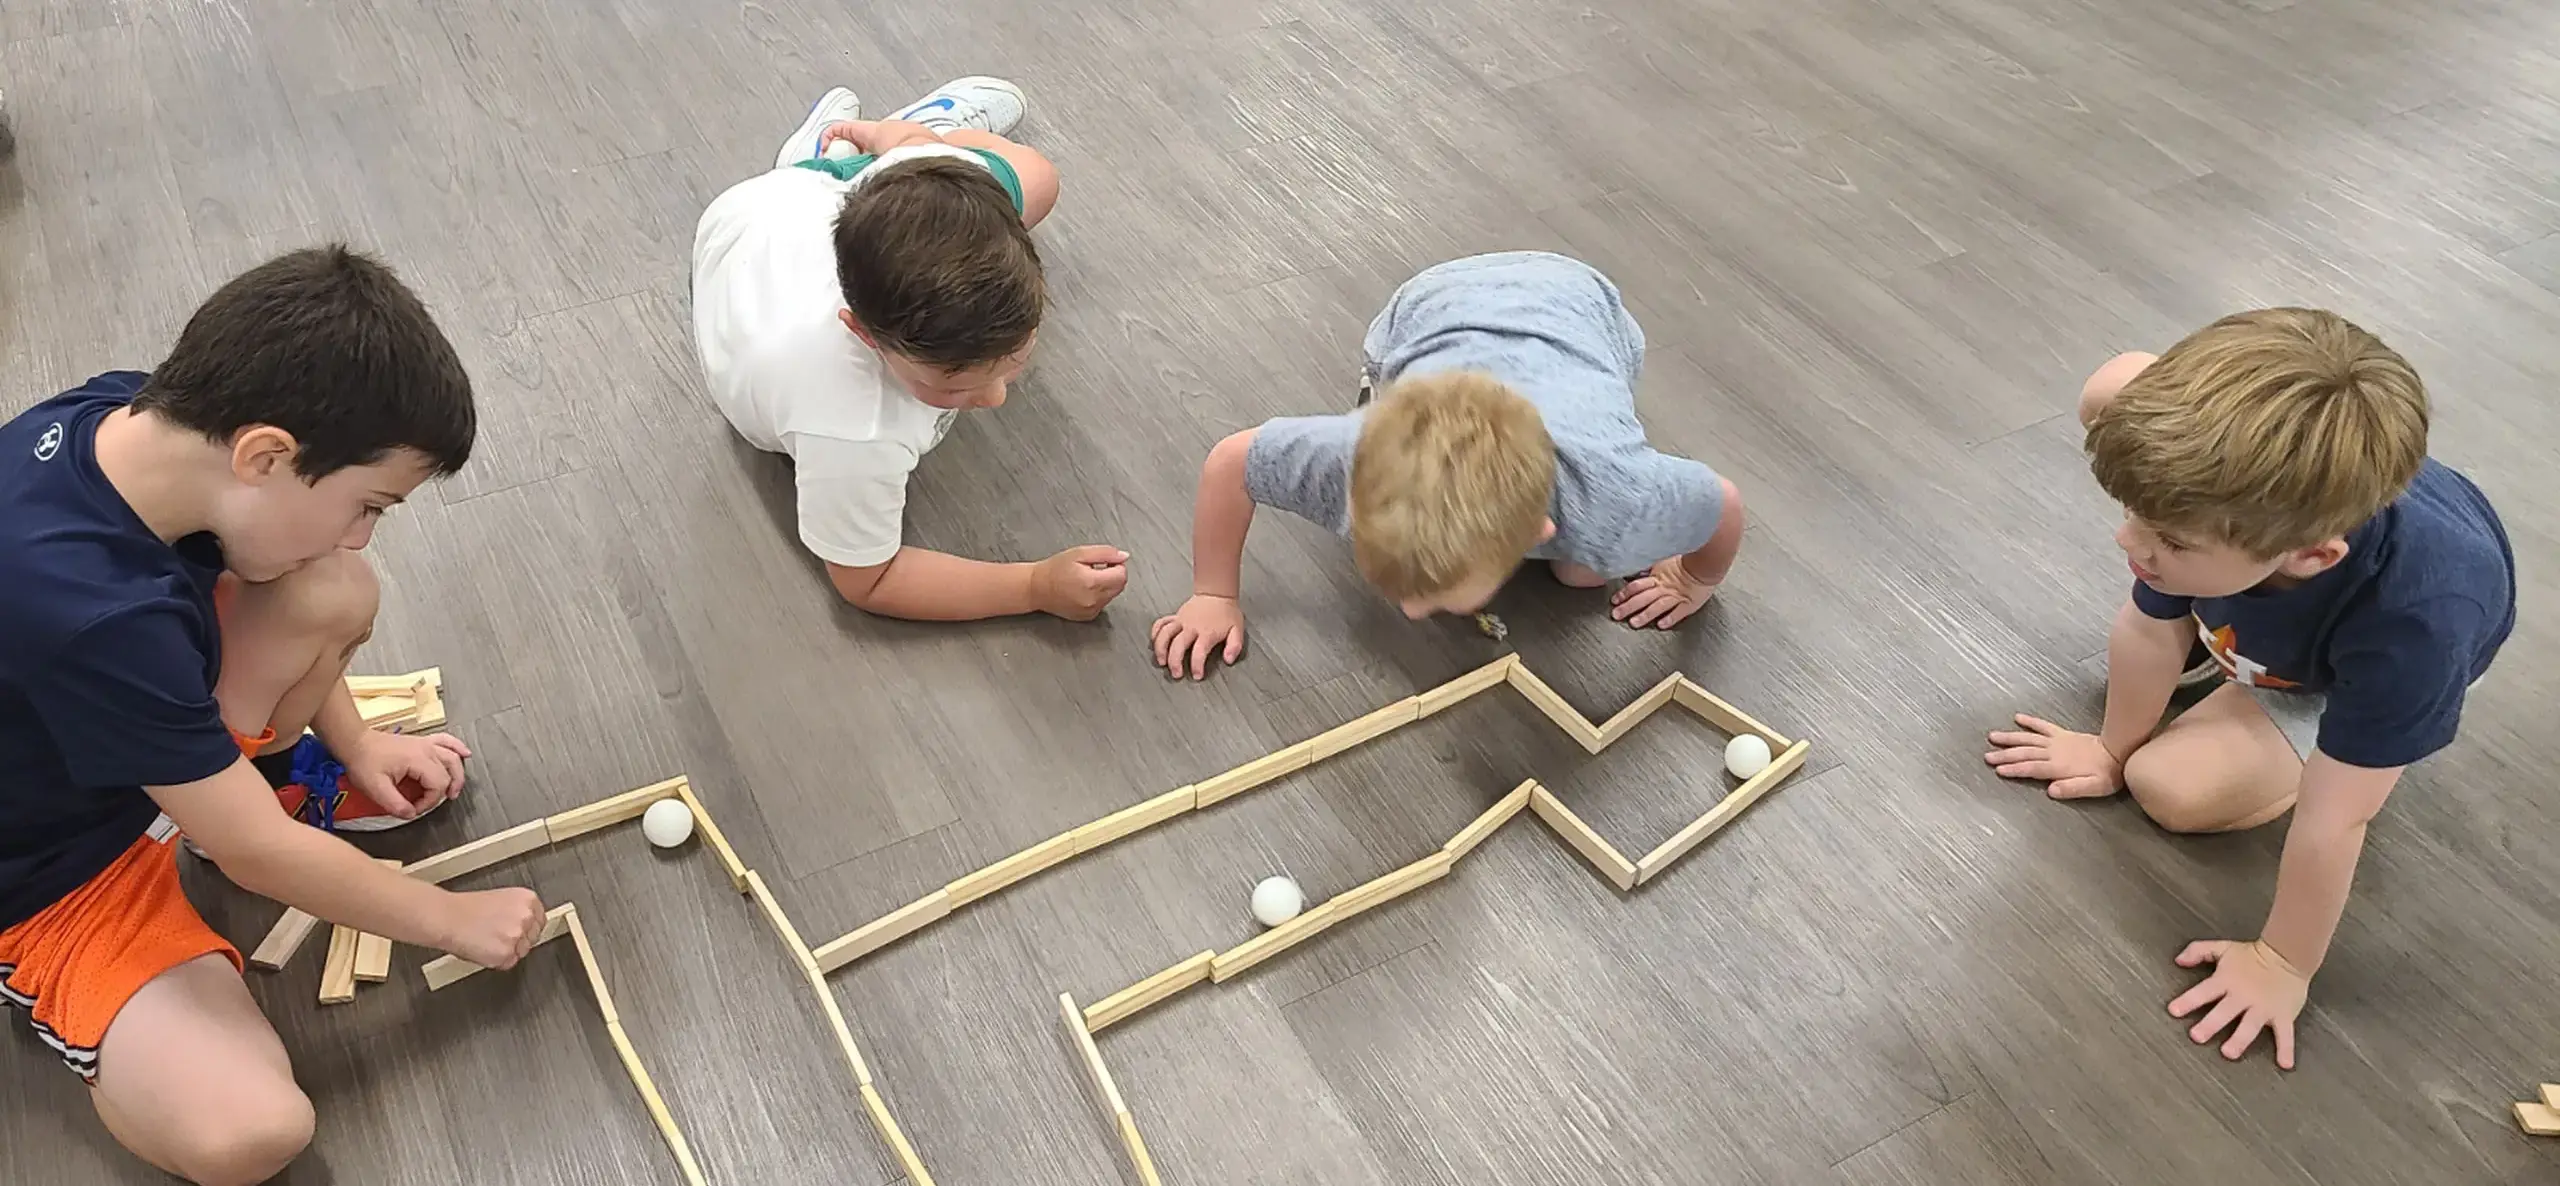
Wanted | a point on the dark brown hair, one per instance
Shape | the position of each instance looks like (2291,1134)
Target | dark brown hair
(327,344)
(937,266)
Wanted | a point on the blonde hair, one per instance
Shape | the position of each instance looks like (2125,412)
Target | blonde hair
(1450,480)
(2267,431)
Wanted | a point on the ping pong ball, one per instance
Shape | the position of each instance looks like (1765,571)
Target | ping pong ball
(1277,900)
(1747,754)
(667,823)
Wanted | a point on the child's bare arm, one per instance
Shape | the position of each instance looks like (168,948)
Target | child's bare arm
(922,585)
(2145,656)
(875,136)
(1214,616)
(1680,586)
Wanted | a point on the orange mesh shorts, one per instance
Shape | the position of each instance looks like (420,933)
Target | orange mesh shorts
(73,966)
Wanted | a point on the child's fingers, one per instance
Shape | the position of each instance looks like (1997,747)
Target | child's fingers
(2244,1035)
(2284,1043)
(2035,771)
(2039,724)
(1201,647)
(2016,752)
(2203,951)
(2223,1013)
(1235,645)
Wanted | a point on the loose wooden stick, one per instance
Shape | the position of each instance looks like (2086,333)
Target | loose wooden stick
(1594,848)
(1716,712)
(1094,1068)
(444,970)
(649,1096)
(595,972)
(430,713)
(1129,821)
(283,939)
(1233,961)
(1137,1147)
(2541,1120)
(1722,813)
(711,836)
(373,952)
(1457,690)
(883,931)
(393,685)
(894,1137)
(338,975)
(578,821)
(480,854)
(2551,1095)
(1365,729)
(1148,993)
(1637,710)
(1490,822)
(1537,692)
(973,886)
(1252,774)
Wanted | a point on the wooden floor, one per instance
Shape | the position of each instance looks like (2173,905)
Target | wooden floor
(1875,245)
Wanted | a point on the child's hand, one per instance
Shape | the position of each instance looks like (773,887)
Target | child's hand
(2071,765)
(1661,598)
(1075,584)
(493,928)
(406,774)
(1200,627)
(2258,989)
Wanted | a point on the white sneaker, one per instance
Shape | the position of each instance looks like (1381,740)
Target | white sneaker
(987,104)
(837,104)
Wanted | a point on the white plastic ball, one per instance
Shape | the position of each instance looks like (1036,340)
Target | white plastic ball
(841,150)
(1277,900)
(667,823)
(1747,754)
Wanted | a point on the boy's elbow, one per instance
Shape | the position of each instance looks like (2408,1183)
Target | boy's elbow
(860,587)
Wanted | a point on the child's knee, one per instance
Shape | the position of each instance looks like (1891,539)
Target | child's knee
(2103,383)
(335,597)
(2179,791)
(246,1137)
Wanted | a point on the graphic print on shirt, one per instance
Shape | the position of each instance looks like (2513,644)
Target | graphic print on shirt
(2225,645)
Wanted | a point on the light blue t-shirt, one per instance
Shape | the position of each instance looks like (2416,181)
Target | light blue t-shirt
(1554,330)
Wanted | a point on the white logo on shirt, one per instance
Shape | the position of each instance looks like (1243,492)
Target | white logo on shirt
(50,443)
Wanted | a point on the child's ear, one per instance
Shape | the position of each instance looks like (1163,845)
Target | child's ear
(261,451)
(846,316)
(1546,530)
(2316,559)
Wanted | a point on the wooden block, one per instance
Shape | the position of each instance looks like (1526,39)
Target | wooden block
(2551,1096)
(2541,1120)
(781,923)
(283,939)
(1138,1159)
(373,952)
(1457,690)
(835,1021)
(482,853)
(1722,813)
(971,887)
(595,971)
(1368,728)
(1537,692)
(1380,890)
(578,821)
(1094,1068)
(1712,709)
(384,712)
(1255,773)
(1233,961)
(366,686)
(1146,994)
(338,976)
(1593,847)
(446,969)
(1129,821)
(1490,822)
(430,708)
(1636,711)
(711,836)
(649,1096)
(894,1137)
(883,931)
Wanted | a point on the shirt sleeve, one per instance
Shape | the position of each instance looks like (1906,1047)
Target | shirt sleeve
(2164,606)
(128,702)
(853,498)
(1672,511)
(1302,465)
(2398,685)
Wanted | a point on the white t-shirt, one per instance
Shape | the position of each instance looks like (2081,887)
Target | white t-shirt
(788,374)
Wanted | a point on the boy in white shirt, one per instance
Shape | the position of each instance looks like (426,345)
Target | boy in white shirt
(877,282)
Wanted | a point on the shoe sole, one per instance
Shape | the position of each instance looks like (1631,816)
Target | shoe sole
(810,125)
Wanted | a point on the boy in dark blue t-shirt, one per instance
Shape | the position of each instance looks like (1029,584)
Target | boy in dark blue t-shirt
(2289,537)
(184,588)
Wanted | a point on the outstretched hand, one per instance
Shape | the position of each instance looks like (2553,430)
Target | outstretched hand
(2251,989)
(1662,598)
(2072,765)
(1202,627)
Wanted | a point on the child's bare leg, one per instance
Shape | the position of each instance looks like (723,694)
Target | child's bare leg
(1039,178)
(2106,381)
(2221,766)
(192,1079)
(286,643)
(1576,576)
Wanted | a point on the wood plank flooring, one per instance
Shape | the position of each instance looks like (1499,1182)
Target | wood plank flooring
(1875,246)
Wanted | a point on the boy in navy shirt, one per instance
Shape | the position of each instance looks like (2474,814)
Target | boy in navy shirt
(184,589)
(2283,523)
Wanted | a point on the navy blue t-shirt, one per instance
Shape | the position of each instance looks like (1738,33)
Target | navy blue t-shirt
(108,655)
(2394,633)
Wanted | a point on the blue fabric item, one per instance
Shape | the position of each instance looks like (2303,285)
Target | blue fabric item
(109,651)
(1554,330)
(2395,633)
(317,774)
